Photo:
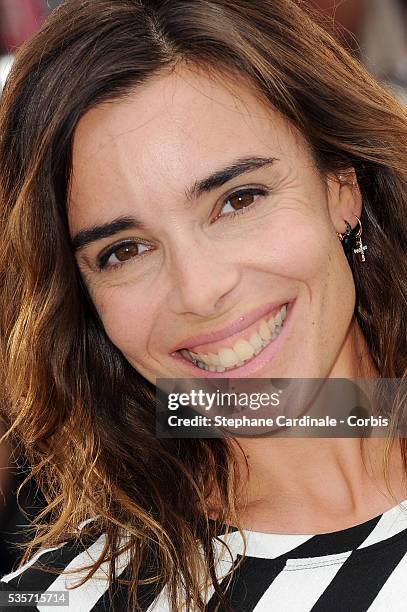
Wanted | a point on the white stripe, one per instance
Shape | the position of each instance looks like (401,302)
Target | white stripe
(393,594)
(20,570)
(223,563)
(39,553)
(391,522)
(86,521)
(161,604)
(264,545)
(86,596)
(300,584)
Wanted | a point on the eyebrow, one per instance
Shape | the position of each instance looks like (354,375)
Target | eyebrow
(216,179)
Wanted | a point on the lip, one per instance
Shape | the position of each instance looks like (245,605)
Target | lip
(236,326)
(253,365)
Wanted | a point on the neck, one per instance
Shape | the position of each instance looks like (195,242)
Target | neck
(317,485)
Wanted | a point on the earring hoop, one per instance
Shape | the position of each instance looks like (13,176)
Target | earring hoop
(359,232)
(346,233)
(360,247)
(351,237)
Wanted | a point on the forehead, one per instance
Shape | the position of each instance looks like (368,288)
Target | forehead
(175,128)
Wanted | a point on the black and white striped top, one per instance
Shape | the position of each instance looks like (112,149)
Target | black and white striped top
(353,570)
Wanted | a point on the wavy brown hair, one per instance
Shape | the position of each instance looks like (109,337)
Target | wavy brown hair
(82,416)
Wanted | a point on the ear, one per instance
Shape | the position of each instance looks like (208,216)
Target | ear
(344,199)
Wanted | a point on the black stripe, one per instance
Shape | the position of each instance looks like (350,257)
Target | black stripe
(118,602)
(249,583)
(4,586)
(362,576)
(256,575)
(146,593)
(328,543)
(36,578)
(336,542)
(119,599)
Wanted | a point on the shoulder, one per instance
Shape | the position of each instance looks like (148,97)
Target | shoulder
(52,574)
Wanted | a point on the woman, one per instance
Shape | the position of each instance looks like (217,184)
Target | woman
(177,177)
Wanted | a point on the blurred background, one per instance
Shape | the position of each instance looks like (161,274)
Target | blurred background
(19,19)
(375,31)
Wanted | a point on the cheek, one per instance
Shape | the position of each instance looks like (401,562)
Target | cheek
(292,248)
(127,320)
(312,255)
(300,247)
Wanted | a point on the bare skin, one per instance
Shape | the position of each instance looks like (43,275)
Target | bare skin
(313,486)
(192,270)
(342,482)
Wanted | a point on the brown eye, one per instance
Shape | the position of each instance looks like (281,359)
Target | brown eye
(120,254)
(126,252)
(240,200)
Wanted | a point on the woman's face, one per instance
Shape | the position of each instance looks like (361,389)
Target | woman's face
(200,222)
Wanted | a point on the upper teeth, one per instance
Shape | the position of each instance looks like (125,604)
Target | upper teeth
(242,350)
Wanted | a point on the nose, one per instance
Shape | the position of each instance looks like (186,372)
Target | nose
(201,278)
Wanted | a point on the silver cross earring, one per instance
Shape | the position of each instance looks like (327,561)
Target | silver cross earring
(360,248)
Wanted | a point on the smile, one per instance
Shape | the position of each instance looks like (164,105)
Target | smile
(218,358)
